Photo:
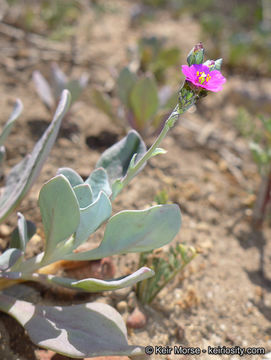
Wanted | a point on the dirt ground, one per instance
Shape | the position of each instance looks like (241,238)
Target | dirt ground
(223,298)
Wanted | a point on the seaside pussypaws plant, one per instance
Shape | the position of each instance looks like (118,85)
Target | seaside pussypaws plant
(141,104)
(153,55)
(72,209)
(22,176)
(51,92)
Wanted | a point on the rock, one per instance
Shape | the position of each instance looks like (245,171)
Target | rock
(36,239)
(203,226)
(136,320)
(122,306)
(5,230)
(44,354)
(180,333)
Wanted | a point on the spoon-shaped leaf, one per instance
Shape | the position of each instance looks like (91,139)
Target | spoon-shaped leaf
(71,175)
(144,101)
(92,217)
(116,159)
(59,211)
(84,195)
(125,83)
(79,331)
(136,231)
(98,181)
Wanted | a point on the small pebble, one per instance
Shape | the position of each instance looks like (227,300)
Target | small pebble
(122,306)
(202,226)
(180,333)
(5,230)
(36,239)
(137,319)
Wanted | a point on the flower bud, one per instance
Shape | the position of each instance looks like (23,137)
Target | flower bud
(187,98)
(196,55)
(214,65)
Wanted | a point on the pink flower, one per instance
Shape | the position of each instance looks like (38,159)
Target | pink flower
(201,76)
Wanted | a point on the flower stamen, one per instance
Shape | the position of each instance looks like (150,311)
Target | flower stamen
(201,76)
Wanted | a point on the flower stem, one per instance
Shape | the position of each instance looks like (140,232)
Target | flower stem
(168,125)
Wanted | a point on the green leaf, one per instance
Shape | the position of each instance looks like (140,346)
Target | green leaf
(116,188)
(167,58)
(84,195)
(97,285)
(136,231)
(125,83)
(13,117)
(132,162)
(23,233)
(144,101)
(116,159)
(78,331)
(75,89)
(216,66)
(23,175)
(92,217)
(71,175)
(158,151)
(98,181)
(103,103)
(59,211)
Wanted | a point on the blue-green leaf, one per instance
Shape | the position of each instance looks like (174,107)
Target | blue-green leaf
(71,175)
(97,285)
(92,217)
(116,159)
(59,211)
(78,331)
(9,258)
(84,195)
(13,117)
(136,231)
(125,83)
(144,101)
(98,181)
(23,233)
